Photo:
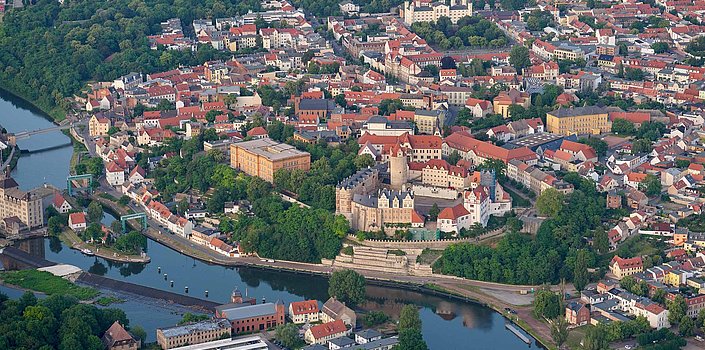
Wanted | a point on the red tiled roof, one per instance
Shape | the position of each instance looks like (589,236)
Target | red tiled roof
(77,218)
(453,213)
(328,329)
(304,307)
(627,263)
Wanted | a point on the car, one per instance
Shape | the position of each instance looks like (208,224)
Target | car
(628,347)
(699,338)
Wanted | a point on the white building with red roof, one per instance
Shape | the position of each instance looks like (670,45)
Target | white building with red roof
(61,204)
(322,333)
(477,206)
(114,174)
(304,311)
(77,221)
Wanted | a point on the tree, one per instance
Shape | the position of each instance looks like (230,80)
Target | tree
(559,331)
(288,335)
(635,74)
(95,211)
(623,127)
(374,318)
(411,340)
(139,333)
(192,318)
(433,212)
(547,304)
(580,274)
(410,329)
(660,47)
(651,185)
(598,145)
(677,309)
(364,161)
(347,286)
(454,157)
(519,57)
(550,202)
(627,283)
(601,242)
(341,101)
(686,327)
(389,106)
(409,318)
(55,225)
(641,146)
(124,200)
(595,339)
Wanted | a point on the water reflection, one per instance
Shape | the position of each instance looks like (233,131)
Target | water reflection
(445,321)
(55,245)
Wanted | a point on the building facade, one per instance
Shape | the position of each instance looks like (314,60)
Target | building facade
(195,333)
(577,120)
(263,157)
(26,206)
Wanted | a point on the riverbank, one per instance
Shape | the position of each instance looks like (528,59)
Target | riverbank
(478,292)
(56,115)
(72,240)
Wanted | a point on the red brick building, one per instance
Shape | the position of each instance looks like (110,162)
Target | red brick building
(246,318)
(577,314)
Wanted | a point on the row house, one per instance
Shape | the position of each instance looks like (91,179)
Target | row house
(534,178)
(477,151)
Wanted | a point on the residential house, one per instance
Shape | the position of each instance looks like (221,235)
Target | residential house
(577,314)
(335,310)
(621,267)
(61,204)
(118,338)
(77,221)
(304,311)
(322,333)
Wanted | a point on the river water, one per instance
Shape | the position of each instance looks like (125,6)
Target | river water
(447,324)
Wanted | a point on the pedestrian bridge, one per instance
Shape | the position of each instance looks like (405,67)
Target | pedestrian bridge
(29,133)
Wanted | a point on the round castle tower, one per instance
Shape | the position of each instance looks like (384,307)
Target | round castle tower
(398,167)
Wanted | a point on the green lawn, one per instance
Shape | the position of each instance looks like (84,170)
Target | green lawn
(575,335)
(47,283)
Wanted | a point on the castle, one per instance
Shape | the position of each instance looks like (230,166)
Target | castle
(427,11)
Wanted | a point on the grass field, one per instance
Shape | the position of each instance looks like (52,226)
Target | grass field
(45,282)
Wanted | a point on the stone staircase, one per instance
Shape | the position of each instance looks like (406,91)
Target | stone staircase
(380,259)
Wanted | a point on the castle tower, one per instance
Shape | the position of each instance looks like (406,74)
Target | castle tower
(398,167)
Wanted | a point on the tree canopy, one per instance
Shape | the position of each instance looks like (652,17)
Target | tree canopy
(347,286)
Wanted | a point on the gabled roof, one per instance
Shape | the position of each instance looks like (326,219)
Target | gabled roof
(304,307)
(328,329)
(453,213)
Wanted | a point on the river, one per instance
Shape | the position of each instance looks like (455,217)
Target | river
(447,324)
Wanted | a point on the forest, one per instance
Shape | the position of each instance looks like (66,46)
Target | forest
(49,51)
(468,32)
(547,258)
(56,322)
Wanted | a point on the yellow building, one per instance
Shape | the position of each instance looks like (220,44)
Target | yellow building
(263,157)
(19,207)
(98,126)
(672,278)
(505,99)
(577,120)
(429,122)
